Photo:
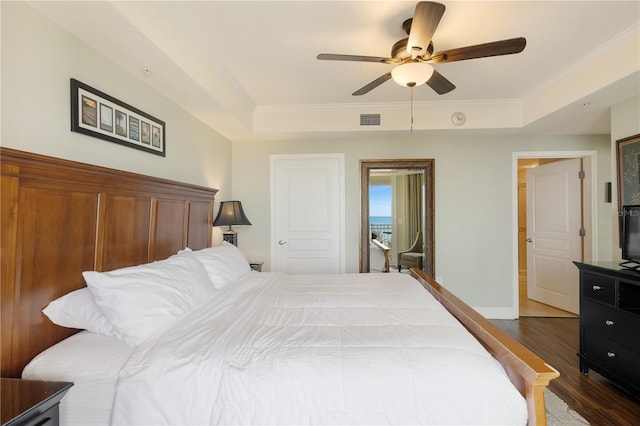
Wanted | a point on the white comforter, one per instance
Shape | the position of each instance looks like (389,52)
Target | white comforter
(316,349)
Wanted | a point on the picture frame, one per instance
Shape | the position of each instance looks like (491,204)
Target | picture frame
(628,173)
(628,168)
(97,114)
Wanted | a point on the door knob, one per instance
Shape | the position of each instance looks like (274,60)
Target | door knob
(529,240)
(282,242)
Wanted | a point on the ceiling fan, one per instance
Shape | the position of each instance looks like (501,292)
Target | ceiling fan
(414,54)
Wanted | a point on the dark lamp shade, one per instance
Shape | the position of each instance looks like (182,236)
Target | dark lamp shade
(231,213)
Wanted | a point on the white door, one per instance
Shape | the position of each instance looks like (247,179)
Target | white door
(307,213)
(554,220)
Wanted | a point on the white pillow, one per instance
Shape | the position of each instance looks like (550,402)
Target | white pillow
(224,263)
(78,310)
(140,301)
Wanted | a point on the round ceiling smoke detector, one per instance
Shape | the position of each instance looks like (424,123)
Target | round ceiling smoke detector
(458,118)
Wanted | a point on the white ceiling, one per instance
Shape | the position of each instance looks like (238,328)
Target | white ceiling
(249,70)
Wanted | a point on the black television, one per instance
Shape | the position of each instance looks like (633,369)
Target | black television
(631,236)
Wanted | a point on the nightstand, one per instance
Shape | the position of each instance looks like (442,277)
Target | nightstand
(31,402)
(256,266)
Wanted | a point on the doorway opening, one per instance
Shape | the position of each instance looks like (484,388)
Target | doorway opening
(528,306)
(524,244)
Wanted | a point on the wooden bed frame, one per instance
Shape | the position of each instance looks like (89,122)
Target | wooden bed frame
(59,218)
(526,370)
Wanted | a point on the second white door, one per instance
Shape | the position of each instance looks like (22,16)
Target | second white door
(554,241)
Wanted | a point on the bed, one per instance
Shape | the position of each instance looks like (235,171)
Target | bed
(61,218)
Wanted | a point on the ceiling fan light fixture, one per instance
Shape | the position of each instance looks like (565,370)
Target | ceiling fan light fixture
(412,74)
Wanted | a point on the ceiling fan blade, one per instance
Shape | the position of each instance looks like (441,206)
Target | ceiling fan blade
(440,84)
(496,48)
(425,21)
(375,83)
(357,58)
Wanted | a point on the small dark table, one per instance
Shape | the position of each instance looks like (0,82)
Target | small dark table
(31,402)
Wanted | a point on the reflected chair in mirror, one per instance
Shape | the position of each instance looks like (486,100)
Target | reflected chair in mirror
(413,257)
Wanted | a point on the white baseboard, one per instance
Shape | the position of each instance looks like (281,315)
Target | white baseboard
(497,313)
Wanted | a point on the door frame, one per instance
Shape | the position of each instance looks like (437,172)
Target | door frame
(589,207)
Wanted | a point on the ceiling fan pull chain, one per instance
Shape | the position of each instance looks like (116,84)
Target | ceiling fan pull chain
(411,109)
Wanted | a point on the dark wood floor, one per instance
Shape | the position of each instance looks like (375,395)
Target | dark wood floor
(556,341)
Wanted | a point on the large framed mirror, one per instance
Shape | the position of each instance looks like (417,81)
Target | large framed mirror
(405,233)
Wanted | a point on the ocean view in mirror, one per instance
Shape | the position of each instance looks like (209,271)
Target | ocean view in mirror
(380,220)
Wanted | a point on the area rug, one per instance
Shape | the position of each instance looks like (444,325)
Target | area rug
(559,413)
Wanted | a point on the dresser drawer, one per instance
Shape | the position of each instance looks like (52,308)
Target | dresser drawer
(617,359)
(49,417)
(598,287)
(611,323)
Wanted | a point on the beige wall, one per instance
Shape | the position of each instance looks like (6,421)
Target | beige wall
(39,58)
(625,122)
(473,199)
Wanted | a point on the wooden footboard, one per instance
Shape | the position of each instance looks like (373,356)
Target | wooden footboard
(526,370)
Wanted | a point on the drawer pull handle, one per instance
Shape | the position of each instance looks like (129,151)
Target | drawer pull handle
(611,354)
(597,287)
(609,322)
(44,421)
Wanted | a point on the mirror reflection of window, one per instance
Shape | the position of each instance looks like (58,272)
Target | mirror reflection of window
(380,209)
(380,197)
(395,217)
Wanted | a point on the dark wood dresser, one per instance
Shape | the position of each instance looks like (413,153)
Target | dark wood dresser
(610,323)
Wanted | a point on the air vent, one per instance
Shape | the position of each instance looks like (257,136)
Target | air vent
(369,119)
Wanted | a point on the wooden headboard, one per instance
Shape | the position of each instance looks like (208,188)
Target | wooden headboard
(59,218)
